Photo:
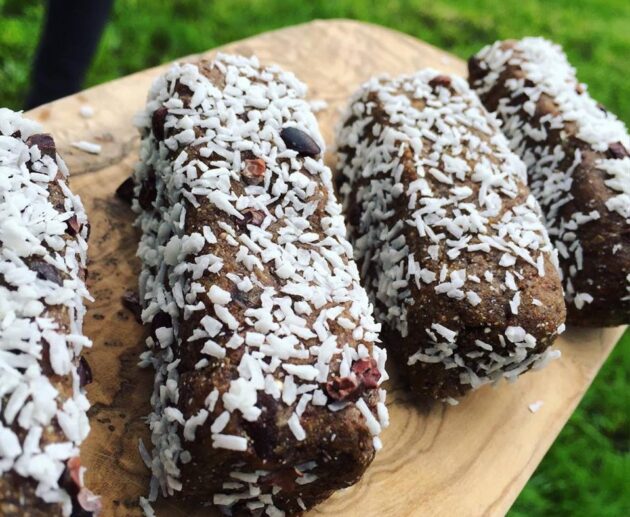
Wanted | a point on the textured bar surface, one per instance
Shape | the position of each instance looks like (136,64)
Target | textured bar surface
(578,159)
(448,238)
(266,390)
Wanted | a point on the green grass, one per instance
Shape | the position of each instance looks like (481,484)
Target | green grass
(586,471)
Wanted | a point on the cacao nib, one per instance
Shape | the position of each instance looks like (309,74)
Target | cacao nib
(251,216)
(85,372)
(254,171)
(475,71)
(46,271)
(157,123)
(72,226)
(366,376)
(367,372)
(299,141)
(148,192)
(161,319)
(617,150)
(342,388)
(124,192)
(70,479)
(262,431)
(182,90)
(440,80)
(45,143)
(131,302)
(261,434)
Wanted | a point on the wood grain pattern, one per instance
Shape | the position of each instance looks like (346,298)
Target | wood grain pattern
(472,459)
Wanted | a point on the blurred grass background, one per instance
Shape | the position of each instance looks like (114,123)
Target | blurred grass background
(587,471)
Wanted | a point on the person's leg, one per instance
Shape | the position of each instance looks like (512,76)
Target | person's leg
(69,39)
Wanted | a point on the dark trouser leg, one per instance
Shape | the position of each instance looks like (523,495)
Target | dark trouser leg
(69,39)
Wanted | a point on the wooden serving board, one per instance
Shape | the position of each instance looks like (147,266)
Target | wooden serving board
(471,459)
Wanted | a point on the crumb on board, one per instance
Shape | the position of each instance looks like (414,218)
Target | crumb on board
(534,407)
(318,105)
(88,147)
(86,111)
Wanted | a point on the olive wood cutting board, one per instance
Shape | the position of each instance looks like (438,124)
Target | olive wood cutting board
(470,459)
